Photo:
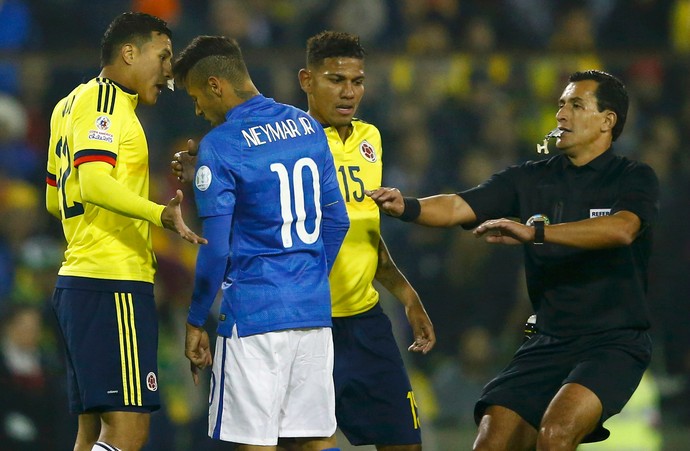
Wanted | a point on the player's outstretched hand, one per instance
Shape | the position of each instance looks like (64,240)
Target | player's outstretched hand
(422,328)
(504,231)
(172,220)
(389,200)
(198,350)
(184,161)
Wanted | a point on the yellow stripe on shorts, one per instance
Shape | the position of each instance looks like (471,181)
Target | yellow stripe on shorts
(129,361)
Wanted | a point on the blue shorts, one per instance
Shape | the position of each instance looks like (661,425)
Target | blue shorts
(110,330)
(374,402)
(610,364)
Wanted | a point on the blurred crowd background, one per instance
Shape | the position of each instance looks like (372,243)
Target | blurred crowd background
(459,89)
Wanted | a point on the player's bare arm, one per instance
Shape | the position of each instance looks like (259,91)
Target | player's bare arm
(388,274)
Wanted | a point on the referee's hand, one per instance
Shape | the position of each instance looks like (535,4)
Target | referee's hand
(389,200)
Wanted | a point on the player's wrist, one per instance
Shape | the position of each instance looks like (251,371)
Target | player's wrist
(412,209)
(194,323)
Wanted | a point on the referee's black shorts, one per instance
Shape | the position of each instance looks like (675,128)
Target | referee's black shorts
(610,364)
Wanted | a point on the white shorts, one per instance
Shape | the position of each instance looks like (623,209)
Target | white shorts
(271,385)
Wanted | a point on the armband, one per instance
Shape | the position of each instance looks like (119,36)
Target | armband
(412,209)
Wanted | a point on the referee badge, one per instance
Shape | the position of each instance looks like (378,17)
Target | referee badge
(367,151)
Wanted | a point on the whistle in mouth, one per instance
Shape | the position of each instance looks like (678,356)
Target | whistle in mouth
(544,147)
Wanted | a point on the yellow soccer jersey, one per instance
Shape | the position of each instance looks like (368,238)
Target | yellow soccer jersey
(97,122)
(359,167)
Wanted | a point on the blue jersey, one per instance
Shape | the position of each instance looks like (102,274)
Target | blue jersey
(267,193)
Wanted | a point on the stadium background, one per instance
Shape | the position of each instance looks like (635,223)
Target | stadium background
(459,89)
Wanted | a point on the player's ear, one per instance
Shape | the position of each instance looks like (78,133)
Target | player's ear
(304,76)
(214,85)
(127,53)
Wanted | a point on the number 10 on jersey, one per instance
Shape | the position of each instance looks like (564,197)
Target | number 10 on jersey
(293,191)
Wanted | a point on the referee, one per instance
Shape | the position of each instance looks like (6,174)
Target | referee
(585,219)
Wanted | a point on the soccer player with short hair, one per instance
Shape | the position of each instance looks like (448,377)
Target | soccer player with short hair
(98,186)
(268,197)
(375,403)
(585,222)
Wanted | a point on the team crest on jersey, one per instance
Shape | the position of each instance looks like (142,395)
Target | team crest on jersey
(367,151)
(151,381)
(103,123)
(203,178)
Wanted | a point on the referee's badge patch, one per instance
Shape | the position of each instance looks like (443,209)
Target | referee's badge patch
(367,151)
(596,212)
(203,178)
(151,381)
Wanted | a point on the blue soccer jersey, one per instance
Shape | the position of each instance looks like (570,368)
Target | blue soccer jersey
(267,193)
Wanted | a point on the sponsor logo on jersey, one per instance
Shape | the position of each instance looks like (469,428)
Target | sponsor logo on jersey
(103,123)
(596,212)
(203,178)
(97,135)
(367,151)
(151,381)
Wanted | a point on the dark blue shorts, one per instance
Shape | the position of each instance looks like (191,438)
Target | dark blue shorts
(610,364)
(110,330)
(374,402)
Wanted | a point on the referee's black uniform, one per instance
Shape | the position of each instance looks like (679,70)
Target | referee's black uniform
(590,304)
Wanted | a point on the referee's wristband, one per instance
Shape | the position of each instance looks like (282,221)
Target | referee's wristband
(412,209)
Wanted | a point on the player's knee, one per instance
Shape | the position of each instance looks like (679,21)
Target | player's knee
(556,436)
(487,442)
(482,445)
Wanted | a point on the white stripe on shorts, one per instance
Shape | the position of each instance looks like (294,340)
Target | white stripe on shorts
(271,385)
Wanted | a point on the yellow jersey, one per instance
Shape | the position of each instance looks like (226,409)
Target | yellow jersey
(359,167)
(97,122)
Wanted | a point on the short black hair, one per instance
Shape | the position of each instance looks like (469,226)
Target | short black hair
(611,95)
(333,44)
(211,55)
(130,27)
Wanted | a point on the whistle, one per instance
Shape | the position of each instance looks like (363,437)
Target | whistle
(544,146)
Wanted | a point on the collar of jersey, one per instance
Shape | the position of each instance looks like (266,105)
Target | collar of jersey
(240,109)
(123,87)
(598,164)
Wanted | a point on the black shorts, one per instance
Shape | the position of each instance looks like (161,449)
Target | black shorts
(374,402)
(110,330)
(610,364)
